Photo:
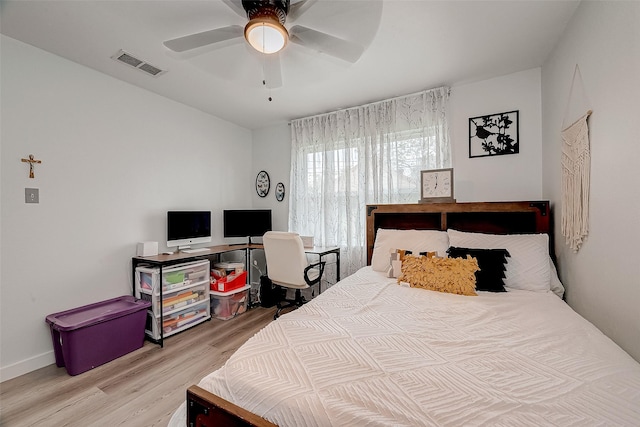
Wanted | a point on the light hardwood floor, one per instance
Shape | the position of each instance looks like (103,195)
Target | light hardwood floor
(142,388)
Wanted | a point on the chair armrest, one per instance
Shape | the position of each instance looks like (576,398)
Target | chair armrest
(309,267)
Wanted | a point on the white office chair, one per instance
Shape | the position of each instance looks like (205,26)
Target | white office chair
(288,267)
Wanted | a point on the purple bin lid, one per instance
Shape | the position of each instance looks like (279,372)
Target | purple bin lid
(98,312)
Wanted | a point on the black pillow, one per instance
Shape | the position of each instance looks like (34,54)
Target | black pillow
(492,263)
(407,252)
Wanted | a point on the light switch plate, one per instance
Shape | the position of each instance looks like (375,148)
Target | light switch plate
(32,195)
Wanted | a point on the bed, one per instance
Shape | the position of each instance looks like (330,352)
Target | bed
(369,351)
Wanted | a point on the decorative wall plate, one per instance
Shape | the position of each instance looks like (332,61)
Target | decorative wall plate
(280,192)
(263,184)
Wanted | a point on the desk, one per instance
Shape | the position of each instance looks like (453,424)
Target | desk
(323,251)
(162,261)
(178,257)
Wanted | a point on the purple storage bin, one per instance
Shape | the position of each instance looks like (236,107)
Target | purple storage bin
(94,334)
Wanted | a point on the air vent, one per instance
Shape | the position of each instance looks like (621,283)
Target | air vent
(134,62)
(150,69)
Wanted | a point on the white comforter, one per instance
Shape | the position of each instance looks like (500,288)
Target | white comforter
(369,352)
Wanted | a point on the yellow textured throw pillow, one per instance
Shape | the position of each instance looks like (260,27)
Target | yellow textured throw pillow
(452,275)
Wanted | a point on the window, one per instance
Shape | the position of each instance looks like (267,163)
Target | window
(345,160)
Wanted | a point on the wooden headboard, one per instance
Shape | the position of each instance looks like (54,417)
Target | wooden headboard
(485,217)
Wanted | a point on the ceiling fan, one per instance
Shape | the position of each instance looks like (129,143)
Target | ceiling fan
(265,32)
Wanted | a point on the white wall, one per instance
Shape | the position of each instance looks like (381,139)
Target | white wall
(498,178)
(272,153)
(603,278)
(115,158)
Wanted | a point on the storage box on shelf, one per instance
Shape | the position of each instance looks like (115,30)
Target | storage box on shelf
(229,267)
(223,269)
(185,297)
(228,283)
(227,305)
(178,321)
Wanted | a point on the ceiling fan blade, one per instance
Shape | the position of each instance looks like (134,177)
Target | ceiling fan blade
(193,41)
(296,10)
(326,43)
(236,6)
(272,71)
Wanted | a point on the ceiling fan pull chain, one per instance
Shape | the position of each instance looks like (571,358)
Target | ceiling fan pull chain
(264,72)
(264,83)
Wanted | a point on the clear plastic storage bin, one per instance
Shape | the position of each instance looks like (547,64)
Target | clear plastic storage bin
(227,305)
(185,297)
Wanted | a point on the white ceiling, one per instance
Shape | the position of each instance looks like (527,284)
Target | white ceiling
(410,46)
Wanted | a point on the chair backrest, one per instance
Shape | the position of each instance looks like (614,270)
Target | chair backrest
(286,258)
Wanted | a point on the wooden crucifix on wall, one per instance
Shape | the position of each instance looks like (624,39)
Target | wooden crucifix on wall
(31,162)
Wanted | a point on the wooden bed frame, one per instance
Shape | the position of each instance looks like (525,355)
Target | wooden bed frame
(207,409)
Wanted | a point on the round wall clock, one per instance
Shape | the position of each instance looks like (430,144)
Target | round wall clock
(280,192)
(263,183)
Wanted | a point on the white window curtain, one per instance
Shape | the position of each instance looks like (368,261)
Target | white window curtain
(344,160)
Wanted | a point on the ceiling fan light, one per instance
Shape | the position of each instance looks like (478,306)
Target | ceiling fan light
(266,35)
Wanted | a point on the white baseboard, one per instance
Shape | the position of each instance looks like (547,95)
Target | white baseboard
(25,366)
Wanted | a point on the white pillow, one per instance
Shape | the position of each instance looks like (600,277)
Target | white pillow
(413,240)
(555,283)
(528,266)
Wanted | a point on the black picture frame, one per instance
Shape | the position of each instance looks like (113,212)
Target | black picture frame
(494,134)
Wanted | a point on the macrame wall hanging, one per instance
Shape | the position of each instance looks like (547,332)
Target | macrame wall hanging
(576,171)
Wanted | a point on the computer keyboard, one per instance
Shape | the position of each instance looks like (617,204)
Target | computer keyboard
(195,251)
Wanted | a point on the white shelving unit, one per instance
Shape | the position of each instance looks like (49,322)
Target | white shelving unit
(179,297)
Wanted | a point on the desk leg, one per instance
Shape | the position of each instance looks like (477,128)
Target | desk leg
(337,254)
(247,268)
(161,309)
(321,278)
